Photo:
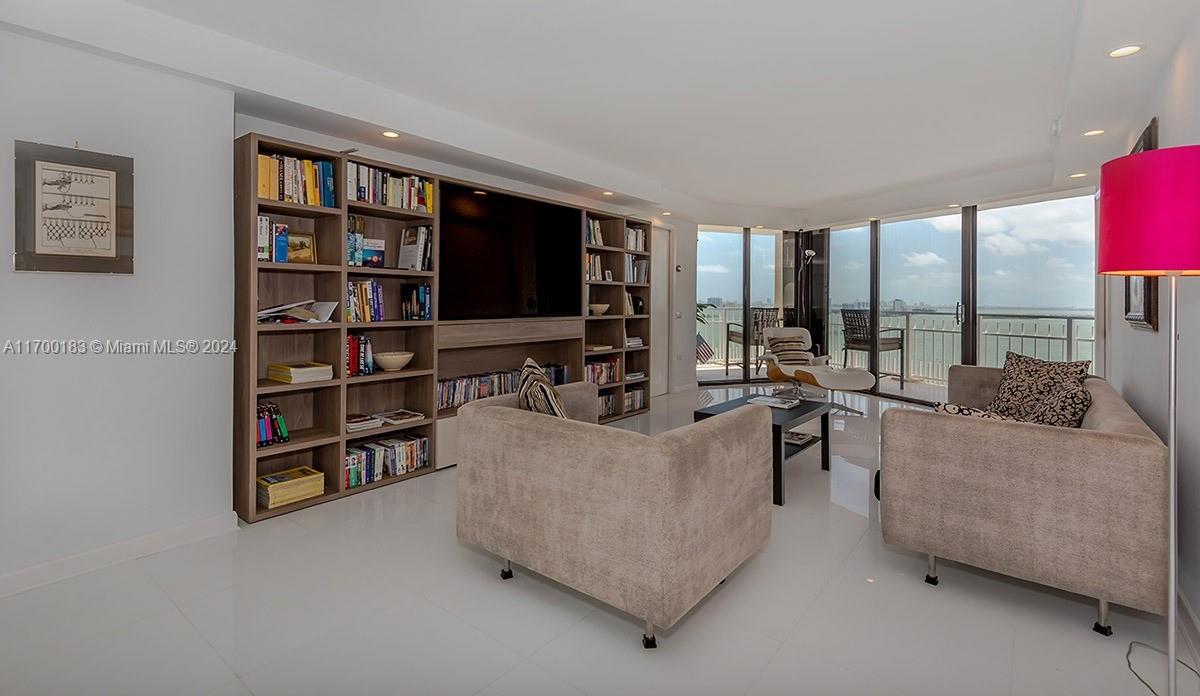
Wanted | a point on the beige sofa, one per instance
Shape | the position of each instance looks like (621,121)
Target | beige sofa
(649,525)
(1083,510)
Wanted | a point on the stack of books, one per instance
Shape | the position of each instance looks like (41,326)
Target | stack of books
(299,372)
(633,341)
(357,422)
(371,461)
(416,249)
(635,374)
(637,270)
(453,393)
(372,185)
(635,240)
(289,486)
(603,371)
(293,180)
(360,356)
(608,405)
(272,429)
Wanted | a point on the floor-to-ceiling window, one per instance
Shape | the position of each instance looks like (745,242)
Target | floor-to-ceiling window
(849,294)
(1037,278)
(920,305)
(766,292)
(719,255)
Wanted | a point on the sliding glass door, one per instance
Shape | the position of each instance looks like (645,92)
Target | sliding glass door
(920,305)
(849,295)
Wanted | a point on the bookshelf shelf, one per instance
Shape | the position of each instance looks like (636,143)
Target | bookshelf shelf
(266,205)
(305,438)
(316,411)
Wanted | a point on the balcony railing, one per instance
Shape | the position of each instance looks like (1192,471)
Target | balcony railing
(933,340)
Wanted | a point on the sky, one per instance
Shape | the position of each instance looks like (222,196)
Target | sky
(719,265)
(1038,255)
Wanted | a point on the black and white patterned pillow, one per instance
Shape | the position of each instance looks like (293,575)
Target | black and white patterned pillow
(956,410)
(790,350)
(1064,408)
(1027,382)
(536,393)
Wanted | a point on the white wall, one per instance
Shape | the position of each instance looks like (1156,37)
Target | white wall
(99,450)
(1137,360)
(683,325)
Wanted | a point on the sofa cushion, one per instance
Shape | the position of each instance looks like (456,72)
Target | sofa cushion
(536,393)
(790,350)
(1064,408)
(957,410)
(1027,382)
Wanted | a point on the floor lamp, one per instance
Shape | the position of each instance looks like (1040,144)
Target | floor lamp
(1150,226)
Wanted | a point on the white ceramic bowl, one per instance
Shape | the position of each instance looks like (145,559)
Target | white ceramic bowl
(598,309)
(393,360)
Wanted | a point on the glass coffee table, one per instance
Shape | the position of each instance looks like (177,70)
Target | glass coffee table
(782,420)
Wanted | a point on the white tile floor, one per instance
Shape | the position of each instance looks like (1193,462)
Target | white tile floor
(373,595)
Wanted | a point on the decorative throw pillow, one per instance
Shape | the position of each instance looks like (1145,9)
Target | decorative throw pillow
(790,350)
(1064,408)
(1027,382)
(956,410)
(536,393)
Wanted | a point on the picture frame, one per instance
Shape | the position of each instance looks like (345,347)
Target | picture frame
(302,247)
(608,276)
(73,210)
(1141,292)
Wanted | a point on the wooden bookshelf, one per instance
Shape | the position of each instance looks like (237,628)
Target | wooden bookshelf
(316,412)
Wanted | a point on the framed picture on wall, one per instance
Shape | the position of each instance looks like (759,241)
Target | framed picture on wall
(74,210)
(1141,292)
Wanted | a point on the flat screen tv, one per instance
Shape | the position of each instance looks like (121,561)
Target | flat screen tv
(505,257)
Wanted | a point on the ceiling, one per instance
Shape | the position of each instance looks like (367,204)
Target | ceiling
(832,110)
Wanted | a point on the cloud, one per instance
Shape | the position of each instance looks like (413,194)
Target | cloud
(947,223)
(1004,245)
(852,265)
(1059,264)
(712,268)
(1000,273)
(1067,221)
(924,259)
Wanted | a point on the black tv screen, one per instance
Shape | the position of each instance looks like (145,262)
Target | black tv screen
(505,257)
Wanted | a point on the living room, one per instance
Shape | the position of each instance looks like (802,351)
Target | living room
(354,351)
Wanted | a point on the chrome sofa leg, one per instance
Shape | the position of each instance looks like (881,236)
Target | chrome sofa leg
(506,572)
(931,571)
(649,641)
(1102,626)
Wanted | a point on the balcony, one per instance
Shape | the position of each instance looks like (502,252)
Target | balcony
(933,342)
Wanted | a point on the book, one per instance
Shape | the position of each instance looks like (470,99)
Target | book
(272,428)
(290,486)
(398,416)
(455,392)
(416,249)
(775,401)
(604,371)
(597,346)
(372,253)
(299,372)
(279,243)
(360,421)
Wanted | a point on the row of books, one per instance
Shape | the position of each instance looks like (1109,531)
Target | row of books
(357,422)
(372,185)
(453,393)
(371,461)
(360,356)
(293,180)
(361,251)
(597,230)
(608,405)
(635,239)
(272,240)
(603,371)
(415,253)
(365,302)
(595,270)
(291,486)
(637,270)
(299,372)
(272,429)
(635,400)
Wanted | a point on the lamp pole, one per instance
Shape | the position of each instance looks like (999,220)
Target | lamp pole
(1173,478)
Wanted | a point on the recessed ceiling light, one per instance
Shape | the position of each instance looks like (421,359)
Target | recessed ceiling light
(872,219)
(480,193)
(608,193)
(870,579)
(666,212)
(1124,51)
(391,134)
(1090,133)
(758,227)
(1077,175)
(953,205)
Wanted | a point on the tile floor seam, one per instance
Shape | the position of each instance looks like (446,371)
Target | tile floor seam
(194,628)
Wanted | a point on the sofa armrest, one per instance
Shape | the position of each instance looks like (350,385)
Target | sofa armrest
(971,385)
(581,400)
(1081,510)
(718,506)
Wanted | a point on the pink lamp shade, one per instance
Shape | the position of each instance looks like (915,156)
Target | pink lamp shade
(1150,213)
